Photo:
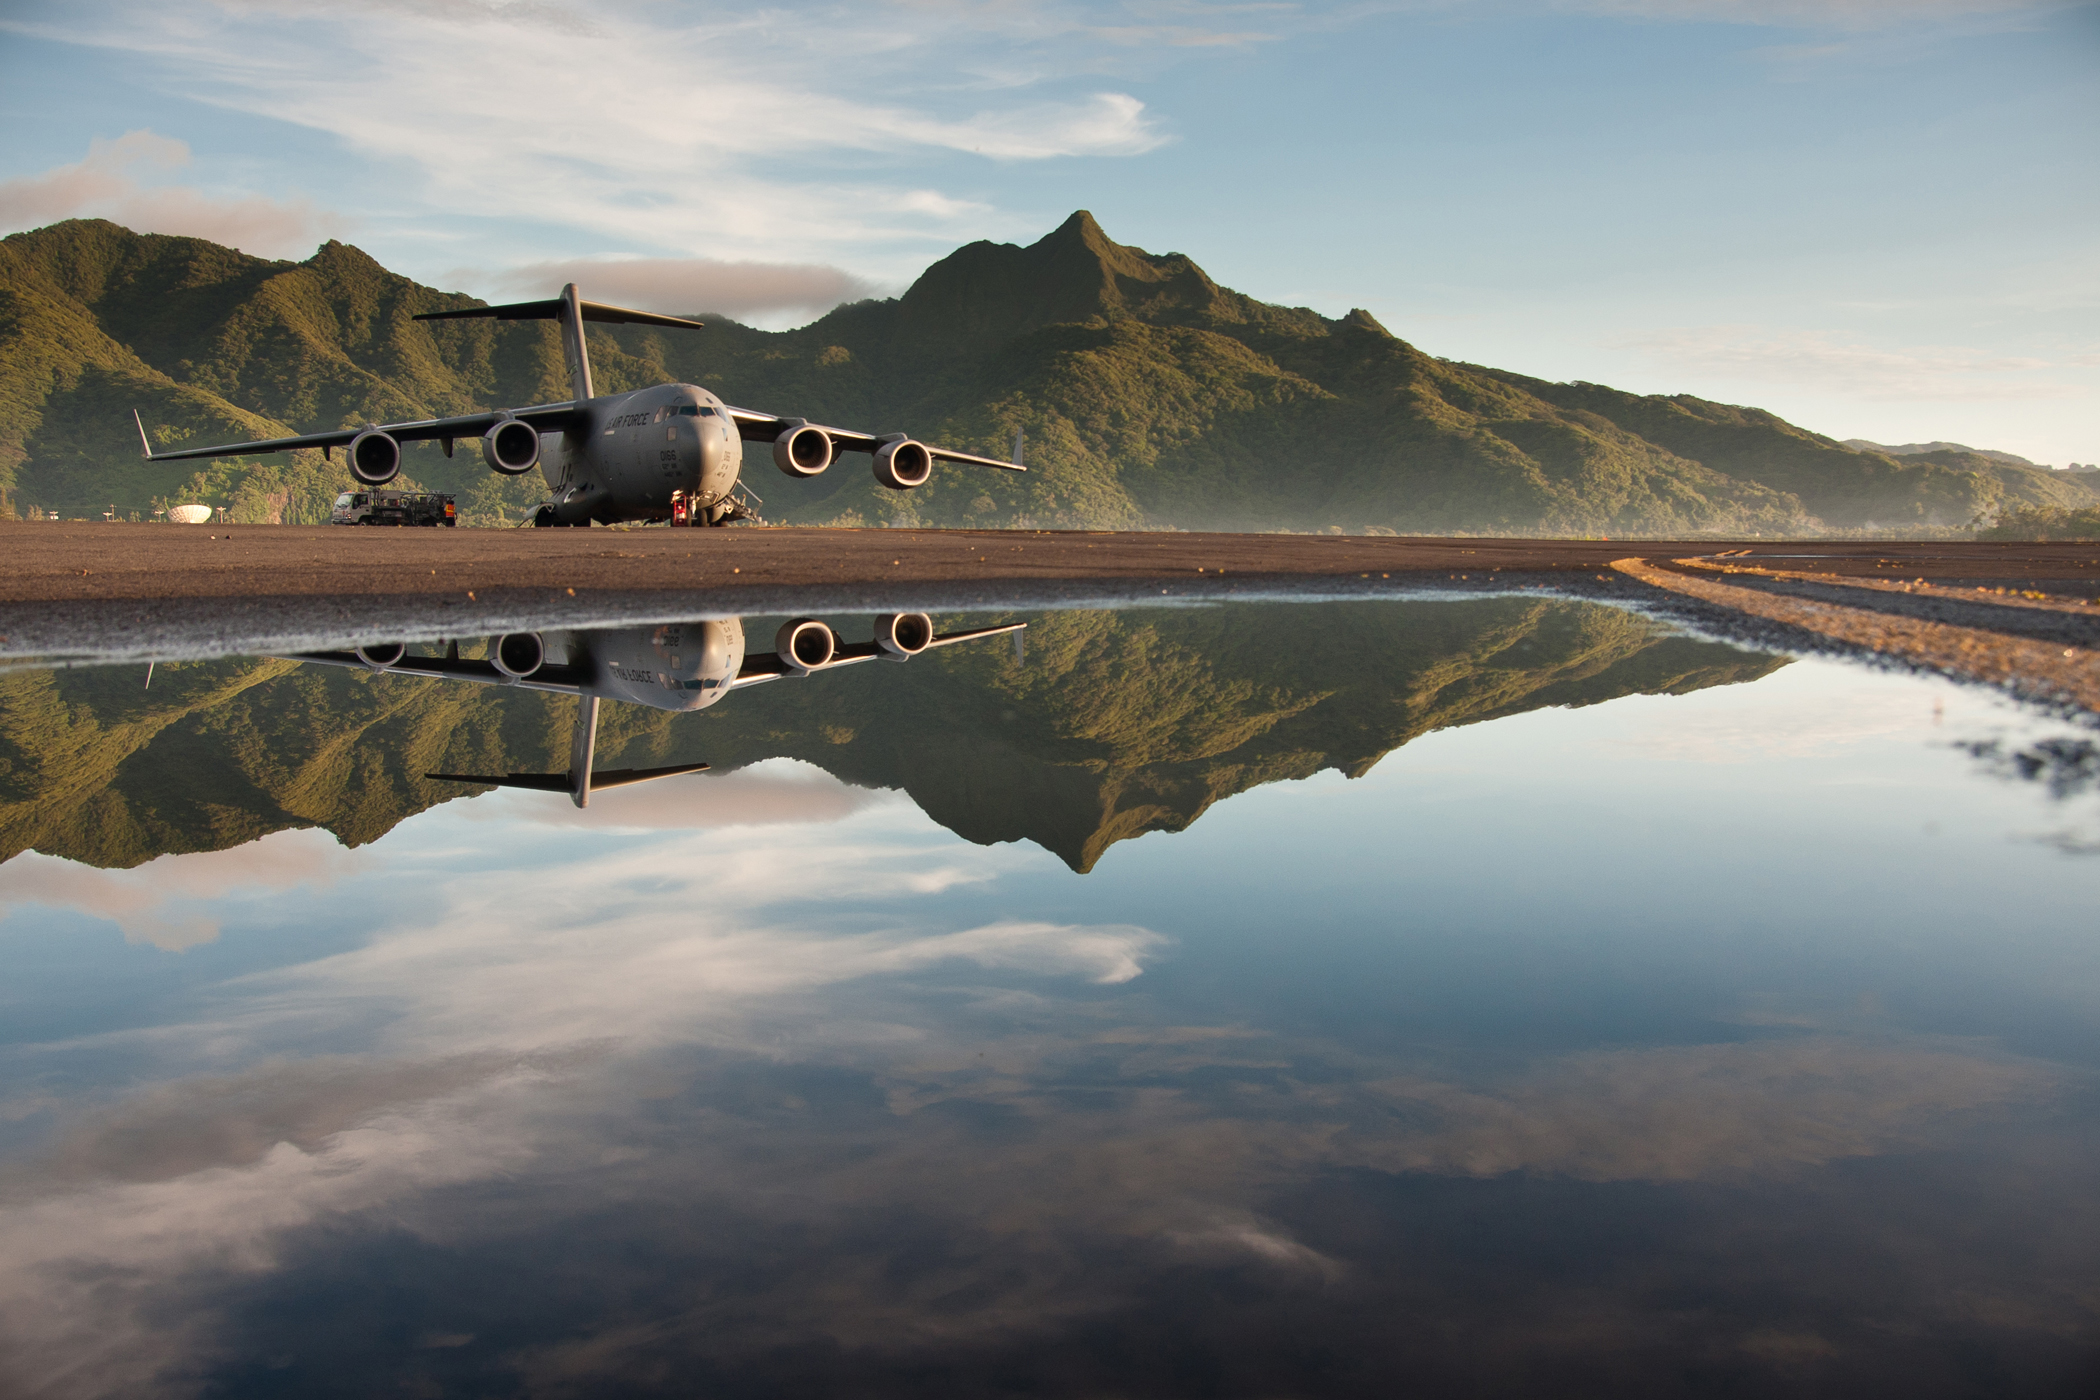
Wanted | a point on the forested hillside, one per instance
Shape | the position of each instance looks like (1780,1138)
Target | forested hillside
(1150,396)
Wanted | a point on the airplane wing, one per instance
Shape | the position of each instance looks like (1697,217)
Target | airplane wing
(550,417)
(769,667)
(753,426)
(561,680)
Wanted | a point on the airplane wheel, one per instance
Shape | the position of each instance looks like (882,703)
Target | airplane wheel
(544,517)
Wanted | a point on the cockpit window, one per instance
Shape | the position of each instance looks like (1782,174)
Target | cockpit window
(693,410)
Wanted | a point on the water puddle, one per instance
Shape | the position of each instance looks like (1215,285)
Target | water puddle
(1496,996)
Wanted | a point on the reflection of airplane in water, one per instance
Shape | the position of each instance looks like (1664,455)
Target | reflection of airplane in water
(671,666)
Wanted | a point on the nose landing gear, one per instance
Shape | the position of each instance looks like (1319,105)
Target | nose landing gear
(690,509)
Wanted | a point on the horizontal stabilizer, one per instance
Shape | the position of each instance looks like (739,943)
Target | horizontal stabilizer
(560,782)
(538,782)
(551,310)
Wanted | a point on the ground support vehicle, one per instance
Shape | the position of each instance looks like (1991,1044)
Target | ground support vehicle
(393,508)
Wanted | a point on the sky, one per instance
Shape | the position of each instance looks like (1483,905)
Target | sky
(1878,219)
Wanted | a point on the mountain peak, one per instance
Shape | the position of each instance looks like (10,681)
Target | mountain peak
(1081,228)
(987,293)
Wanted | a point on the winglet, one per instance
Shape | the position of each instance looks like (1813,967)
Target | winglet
(1017,447)
(144,442)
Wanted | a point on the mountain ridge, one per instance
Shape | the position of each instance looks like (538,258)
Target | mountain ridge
(1150,395)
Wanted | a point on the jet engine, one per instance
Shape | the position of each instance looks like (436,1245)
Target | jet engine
(375,458)
(902,464)
(511,447)
(380,655)
(803,451)
(805,645)
(903,635)
(518,654)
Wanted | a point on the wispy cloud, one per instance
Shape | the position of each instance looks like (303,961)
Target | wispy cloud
(686,285)
(106,184)
(749,136)
(1825,361)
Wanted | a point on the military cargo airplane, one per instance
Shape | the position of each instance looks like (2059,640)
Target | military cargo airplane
(680,666)
(614,457)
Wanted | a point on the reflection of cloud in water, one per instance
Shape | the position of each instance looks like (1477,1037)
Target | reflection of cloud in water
(1743,730)
(495,1001)
(139,900)
(744,1058)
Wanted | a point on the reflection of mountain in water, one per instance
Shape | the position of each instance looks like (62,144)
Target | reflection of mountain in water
(1116,724)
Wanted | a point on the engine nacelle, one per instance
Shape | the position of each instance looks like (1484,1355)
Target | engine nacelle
(903,635)
(805,645)
(375,458)
(380,655)
(902,464)
(511,447)
(518,654)
(803,451)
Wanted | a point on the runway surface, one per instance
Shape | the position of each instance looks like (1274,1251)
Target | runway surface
(73,561)
(82,591)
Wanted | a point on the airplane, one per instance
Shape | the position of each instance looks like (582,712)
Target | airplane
(681,666)
(616,457)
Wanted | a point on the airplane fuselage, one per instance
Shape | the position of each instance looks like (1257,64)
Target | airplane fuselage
(680,666)
(633,451)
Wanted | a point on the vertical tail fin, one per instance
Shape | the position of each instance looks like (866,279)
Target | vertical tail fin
(583,744)
(571,311)
(579,782)
(575,352)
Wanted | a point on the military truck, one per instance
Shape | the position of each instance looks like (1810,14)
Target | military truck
(393,508)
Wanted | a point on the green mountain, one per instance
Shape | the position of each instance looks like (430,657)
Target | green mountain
(1117,723)
(1149,395)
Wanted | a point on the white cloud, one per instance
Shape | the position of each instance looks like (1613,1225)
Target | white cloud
(686,285)
(105,185)
(1817,359)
